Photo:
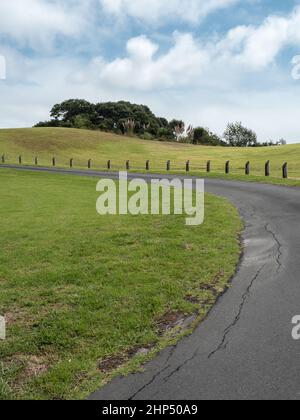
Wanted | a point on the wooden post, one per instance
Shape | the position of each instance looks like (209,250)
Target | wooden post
(20,160)
(127,165)
(71,163)
(89,164)
(148,165)
(208,166)
(54,161)
(227,167)
(285,171)
(267,168)
(3,158)
(168,165)
(36,161)
(187,166)
(109,165)
(247,168)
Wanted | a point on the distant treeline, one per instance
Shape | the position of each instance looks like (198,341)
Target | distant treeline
(138,120)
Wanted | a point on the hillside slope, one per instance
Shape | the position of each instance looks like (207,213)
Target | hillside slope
(82,145)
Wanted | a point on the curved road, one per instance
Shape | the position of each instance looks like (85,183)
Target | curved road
(244,348)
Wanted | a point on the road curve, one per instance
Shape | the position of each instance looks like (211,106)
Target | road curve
(244,348)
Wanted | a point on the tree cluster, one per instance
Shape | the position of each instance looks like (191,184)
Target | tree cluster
(138,120)
(119,117)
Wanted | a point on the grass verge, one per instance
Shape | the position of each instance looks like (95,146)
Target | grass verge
(85,295)
(82,145)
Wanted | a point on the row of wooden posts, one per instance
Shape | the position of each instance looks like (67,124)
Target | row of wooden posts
(168,167)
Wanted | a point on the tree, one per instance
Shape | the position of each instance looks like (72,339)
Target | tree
(200,136)
(68,110)
(164,123)
(205,137)
(239,136)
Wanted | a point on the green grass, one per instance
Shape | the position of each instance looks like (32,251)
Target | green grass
(78,289)
(83,145)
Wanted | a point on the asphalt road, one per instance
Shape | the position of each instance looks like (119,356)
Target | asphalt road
(244,349)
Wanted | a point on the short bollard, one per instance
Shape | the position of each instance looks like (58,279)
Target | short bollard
(148,165)
(247,168)
(187,166)
(89,164)
(127,165)
(71,163)
(267,168)
(53,162)
(208,166)
(227,167)
(3,159)
(36,161)
(109,165)
(285,171)
(20,160)
(168,165)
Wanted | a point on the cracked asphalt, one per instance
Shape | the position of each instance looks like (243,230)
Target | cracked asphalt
(244,349)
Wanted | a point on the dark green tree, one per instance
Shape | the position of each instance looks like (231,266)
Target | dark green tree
(68,110)
(205,137)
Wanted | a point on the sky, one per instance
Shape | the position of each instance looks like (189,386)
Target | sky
(208,62)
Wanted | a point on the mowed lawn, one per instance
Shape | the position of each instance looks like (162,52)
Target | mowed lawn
(82,145)
(82,293)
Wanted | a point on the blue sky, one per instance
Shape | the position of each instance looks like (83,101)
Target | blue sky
(206,61)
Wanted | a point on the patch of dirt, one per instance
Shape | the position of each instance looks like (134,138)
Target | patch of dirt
(36,366)
(188,247)
(28,367)
(19,316)
(115,362)
(174,319)
(210,288)
(112,363)
(213,286)
(193,299)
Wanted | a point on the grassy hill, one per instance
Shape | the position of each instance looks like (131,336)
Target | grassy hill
(82,145)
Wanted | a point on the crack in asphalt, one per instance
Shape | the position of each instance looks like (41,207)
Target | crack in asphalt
(166,379)
(148,383)
(279,246)
(172,351)
(223,345)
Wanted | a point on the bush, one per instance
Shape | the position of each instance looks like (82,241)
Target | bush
(147,136)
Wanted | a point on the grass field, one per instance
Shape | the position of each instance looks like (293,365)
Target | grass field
(83,293)
(82,145)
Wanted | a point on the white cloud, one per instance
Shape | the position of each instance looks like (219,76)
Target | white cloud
(37,22)
(142,70)
(259,46)
(156,11)
(191,63)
